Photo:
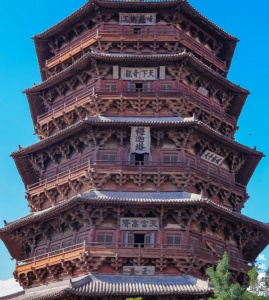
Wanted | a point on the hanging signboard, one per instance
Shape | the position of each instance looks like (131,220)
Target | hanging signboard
(140,140)
(137,18)
(138,270)
(139,224)
(212,158)
(139,73)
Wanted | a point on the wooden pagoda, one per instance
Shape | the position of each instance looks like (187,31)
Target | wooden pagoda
(137,184)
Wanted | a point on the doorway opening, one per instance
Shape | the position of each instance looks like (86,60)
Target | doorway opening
(139,240)
(139,158)
(137,30)
(138,87)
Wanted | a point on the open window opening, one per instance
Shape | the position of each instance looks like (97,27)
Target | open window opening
(139,240)
(138,87)
(139,158)
(137,30)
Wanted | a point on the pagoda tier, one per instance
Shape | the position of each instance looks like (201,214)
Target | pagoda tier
(96,85)
(136,171)
(95,153)
(102,232)
(96,26)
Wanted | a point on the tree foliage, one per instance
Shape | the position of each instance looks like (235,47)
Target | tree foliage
(224,290)
(220,279)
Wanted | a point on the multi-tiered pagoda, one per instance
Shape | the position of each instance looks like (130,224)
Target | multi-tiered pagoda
(136,185)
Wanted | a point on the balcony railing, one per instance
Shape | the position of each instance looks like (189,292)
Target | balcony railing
(77,101)
(144,34)
(151,94)
(140,167)
(121,250)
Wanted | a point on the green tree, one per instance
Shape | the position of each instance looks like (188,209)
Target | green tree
(256,286)
(220,278)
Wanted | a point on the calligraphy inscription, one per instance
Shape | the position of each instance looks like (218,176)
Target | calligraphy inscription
(140,140)
(137,19)
(138,73)
(138,270)
(139,224)
(212,158)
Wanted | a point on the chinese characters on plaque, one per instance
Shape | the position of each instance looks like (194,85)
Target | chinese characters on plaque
(138,270)
(139,73)
(139,224)
(137,18)
(212,158)
(140,140)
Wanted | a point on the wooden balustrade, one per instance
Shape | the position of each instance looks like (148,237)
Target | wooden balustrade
(125,94)
(120,250)
(171,34)
(128,167)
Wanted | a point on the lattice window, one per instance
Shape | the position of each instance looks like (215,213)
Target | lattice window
(65,169)
(82,239)
(166,87)
(67,245)
(87,158)
(112,30)
(40,253)
(233,254)
(105,238)
(148,241)
(170,158)
(139,87)
(109,157)
(162,31)
(173,240)
(219,249)
(194,242)
(49,174)
(110,87)
(56,248)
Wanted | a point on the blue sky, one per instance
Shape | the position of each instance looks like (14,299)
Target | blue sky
(20,20)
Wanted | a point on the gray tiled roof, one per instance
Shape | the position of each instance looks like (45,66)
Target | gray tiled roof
(129,121)
(135,57)
(120,285)
(130,198)
(140,285)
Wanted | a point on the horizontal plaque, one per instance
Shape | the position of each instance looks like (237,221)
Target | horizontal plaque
(212,157)
(137,18)
(139,224)
(139,73)
(139,270)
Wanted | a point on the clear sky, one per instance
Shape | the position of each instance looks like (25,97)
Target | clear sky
(21,19)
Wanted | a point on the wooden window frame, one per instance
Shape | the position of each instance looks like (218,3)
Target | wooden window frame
(173,244)
(105,242)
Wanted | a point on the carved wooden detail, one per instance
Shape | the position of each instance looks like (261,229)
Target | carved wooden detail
(182,106)
(207,222)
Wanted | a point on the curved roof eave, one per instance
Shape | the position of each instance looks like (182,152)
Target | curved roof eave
(29,176)
(128,122)
(68,204)
(80,63)
(86,8)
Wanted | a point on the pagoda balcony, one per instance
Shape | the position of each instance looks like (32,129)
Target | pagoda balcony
(105,168)
(122,250)
(102,96)
(120,34)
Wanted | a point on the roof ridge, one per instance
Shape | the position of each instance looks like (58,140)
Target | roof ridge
(118,55)
(96,120)
(84,198)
